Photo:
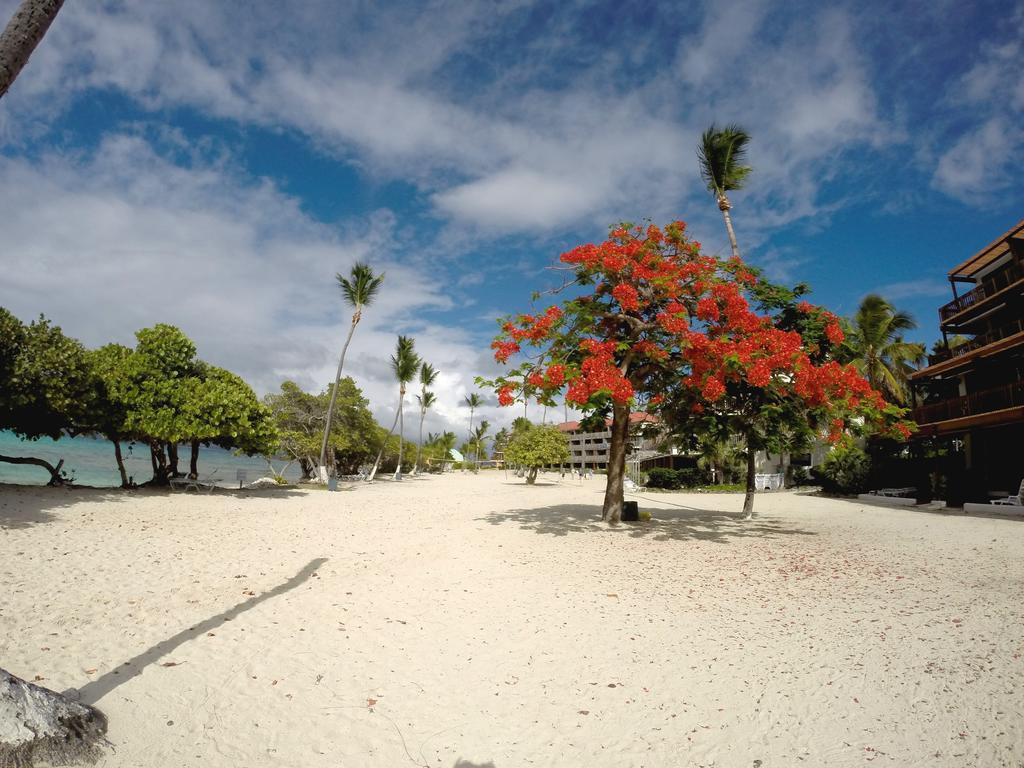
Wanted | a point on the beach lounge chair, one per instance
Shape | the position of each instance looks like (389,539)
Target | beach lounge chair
(1015,501)
(207,483)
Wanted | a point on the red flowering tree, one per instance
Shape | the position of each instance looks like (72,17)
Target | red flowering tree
(658,323)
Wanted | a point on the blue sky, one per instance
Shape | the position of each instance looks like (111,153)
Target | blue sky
(213,164)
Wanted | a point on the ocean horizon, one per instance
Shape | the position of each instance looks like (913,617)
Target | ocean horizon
(90,461)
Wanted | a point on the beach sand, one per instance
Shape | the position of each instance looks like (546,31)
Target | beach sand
(477,621)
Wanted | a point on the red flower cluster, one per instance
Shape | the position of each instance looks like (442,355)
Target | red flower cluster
(627,296)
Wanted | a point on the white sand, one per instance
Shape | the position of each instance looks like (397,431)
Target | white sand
(471,621)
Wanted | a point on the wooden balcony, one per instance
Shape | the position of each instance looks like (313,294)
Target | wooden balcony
(990,286)
(984,401)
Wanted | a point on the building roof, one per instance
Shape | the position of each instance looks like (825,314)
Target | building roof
(994,250)
(637,417)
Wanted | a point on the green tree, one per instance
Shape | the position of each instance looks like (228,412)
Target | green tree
(23,33)
(536,447)
(438,448)
(404,365)
(300,416)
(428,375)
(875,345)
(45,385)
(721,154)
(500,443)
(359,290)
(108,414)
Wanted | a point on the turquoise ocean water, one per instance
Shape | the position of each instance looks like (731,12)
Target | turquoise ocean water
(91,462)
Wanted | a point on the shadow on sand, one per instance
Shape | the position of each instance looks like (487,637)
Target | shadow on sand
(22,506)
(460,763)
(95,690)
(682,523)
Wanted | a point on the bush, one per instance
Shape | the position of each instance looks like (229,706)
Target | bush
(844,471)
(801,476)
(662,477)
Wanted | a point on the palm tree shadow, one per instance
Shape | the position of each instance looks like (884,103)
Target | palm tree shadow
(683,523)
(460,763)
(97,689)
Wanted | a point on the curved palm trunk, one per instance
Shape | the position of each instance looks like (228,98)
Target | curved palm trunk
(23,33)
(334,396)
(470,427)
(401,433)
(611,512)
(724,205)
(477,463)
(748,498)
(419,444)
(380,453)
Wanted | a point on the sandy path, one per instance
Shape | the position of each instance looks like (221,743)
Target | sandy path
(471,621)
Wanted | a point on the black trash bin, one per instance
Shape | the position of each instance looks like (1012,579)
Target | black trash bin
(630,512)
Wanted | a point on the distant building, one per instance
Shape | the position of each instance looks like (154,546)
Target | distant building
(589,450)
(971,395)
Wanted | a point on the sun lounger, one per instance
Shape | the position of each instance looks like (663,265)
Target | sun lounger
(207,484)
(897,492)
(1012,501)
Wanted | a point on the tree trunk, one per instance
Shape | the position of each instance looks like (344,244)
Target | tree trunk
(466,458)
(748,499)
(193,464)
(23,33)
(55,478)
(613,492)
(307,467)
(334,392)
(38,725)
(172,460)
(401,432)
(723,204)
(419,445)
(380,453)
(531,476)
(120,463)
(156,451)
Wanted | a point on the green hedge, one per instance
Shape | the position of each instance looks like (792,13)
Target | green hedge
(673,479)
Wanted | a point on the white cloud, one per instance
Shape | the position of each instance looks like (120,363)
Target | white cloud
(121,239)
(986,158)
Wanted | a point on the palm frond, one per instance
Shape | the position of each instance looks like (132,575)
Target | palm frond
(361,287)
(405,362)
(428,375)
(721,154)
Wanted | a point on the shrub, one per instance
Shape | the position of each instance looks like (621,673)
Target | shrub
(845,470)
(662,477)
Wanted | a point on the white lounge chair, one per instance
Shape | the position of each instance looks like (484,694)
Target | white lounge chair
(1014,501)
(207,483)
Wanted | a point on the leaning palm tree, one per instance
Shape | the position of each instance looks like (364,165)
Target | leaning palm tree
(721,154)
(875,345)
(404,364)
(23,33)
(479,436)
(428,375)
(474,402)
(426,400)
(358,290)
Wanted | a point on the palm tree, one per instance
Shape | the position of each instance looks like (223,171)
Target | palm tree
(721,154)
(24,32)
(479,436)
(876,347)
(425,400)
(358,290)
(441,445)
(428,375)
(404,364)
(474,402)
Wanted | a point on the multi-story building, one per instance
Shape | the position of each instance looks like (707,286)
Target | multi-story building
(971,394)
(589,450)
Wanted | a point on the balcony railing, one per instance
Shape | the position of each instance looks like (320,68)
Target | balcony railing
(991,285)
(985,401)
(982,340)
